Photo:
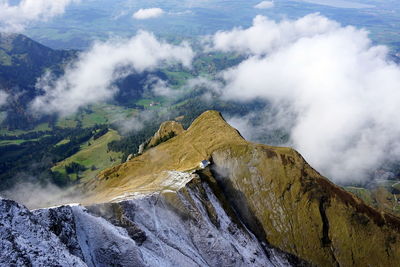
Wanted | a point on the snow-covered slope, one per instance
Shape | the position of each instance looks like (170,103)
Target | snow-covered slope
(25,242)
(184,227)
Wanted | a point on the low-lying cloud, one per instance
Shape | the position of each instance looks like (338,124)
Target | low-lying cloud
(340,92)
(136,122)
(148,13)
(35,195)
(91,78)
(15,17)
(264,5)
(159,87)
(338,3)
(266,36)
(3,98)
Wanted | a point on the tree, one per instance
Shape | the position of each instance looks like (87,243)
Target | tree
(74,167)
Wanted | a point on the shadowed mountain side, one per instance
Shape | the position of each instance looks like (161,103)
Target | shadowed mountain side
(275,192)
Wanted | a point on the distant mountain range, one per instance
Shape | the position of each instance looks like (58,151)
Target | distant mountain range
(22,62)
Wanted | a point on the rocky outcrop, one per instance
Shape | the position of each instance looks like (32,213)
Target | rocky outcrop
(25,242)
(167,130)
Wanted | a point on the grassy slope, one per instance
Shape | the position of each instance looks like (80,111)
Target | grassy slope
(96,154)
(38,128)
(182,153)
(96,114)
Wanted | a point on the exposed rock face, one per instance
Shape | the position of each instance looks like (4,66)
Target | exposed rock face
(25,242)
(186,227)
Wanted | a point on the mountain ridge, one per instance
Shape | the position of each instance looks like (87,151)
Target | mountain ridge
(276,193)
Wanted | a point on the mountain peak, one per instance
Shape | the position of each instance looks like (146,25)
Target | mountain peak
(180,153)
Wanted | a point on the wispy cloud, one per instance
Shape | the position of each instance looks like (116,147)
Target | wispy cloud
(339,3)
(15,17)
(136,122)
(92,77)
(265,5)
(3,98)
(35,195)
(160,87)
(148,13)
(339,90)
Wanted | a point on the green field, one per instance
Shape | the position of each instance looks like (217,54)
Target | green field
(38,128)
(12,142)
(95,114)
(96,154)
(19,141)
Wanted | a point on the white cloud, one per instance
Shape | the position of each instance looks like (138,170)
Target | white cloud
(265,5)
(35,195)
(339,3)
(267,35)
(15,17)
(148,13)
(135,122)
(341,92)
(3,98)
(91,78)
(160,87)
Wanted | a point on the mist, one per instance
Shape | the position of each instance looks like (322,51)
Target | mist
(134,123)
(159,87)
(91,78)
(3,98)
(337,92)
(15,17)
(36,195)
(265,5)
